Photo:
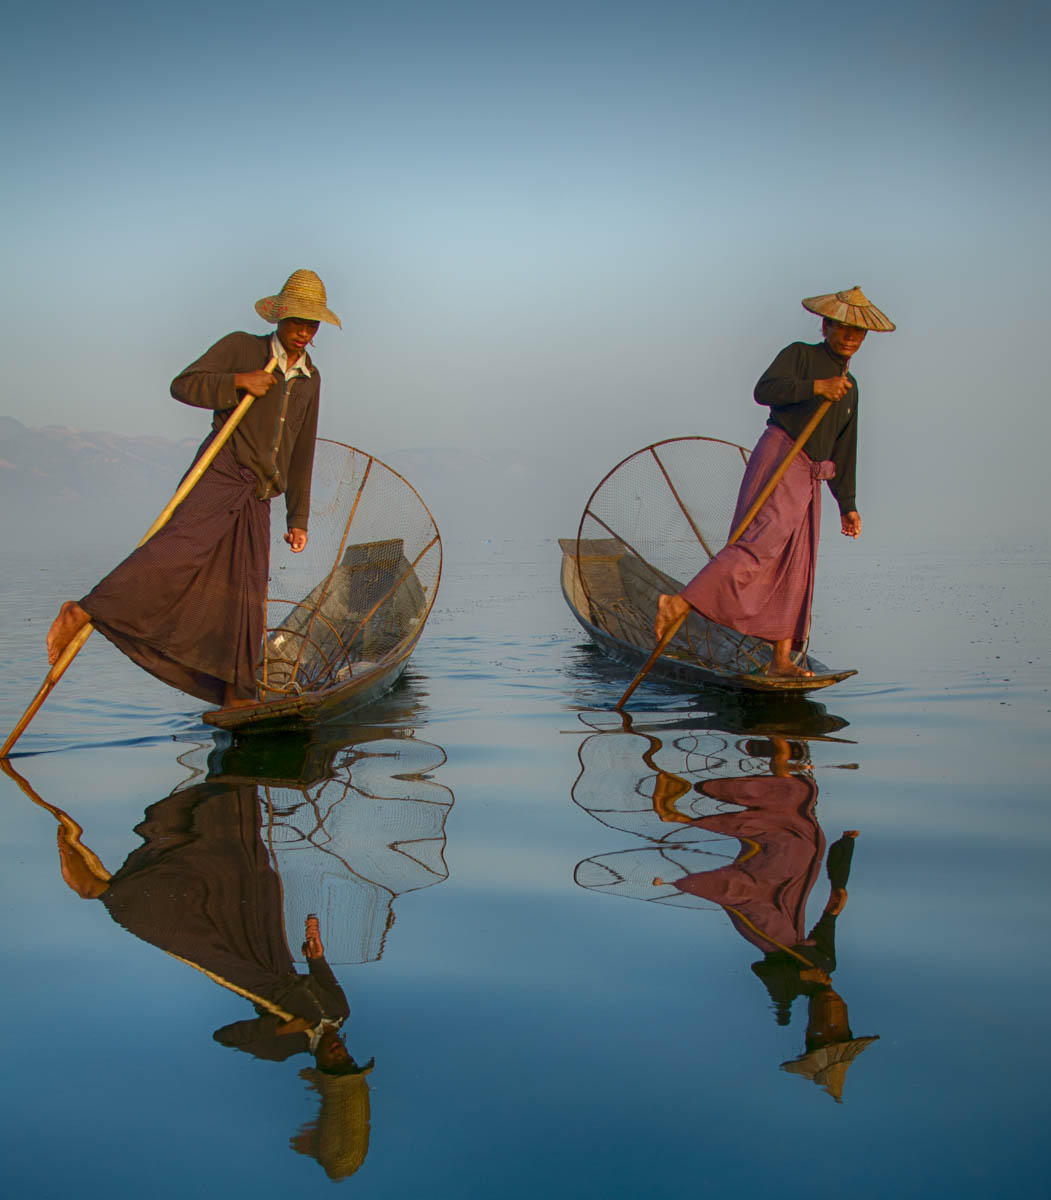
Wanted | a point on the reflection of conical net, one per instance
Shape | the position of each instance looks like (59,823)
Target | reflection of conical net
(622,774)
(649,527)
(649,873)
(357,597)
(345,848)
(648,783)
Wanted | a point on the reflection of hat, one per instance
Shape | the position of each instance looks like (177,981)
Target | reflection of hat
(827,1065)
(852,307)
(339,1137)
(302,296)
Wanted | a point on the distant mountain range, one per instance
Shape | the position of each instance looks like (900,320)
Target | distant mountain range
(66,486)
(56,481)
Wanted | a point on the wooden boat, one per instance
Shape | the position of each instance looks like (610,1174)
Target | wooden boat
(363,603)
(613,594)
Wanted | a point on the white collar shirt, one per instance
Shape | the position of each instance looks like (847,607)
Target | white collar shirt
(278,351)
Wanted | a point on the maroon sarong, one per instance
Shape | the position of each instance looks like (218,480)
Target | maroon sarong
(763,584)
(188,605)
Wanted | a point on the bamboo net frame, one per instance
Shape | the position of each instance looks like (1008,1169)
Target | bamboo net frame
(359,595)
(649,526)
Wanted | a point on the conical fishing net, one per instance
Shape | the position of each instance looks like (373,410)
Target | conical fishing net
(356,599)
(648,528)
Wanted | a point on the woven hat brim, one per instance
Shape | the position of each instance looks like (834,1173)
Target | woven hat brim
(861,316)
(276,308)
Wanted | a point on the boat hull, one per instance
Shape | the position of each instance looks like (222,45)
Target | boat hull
(686,672)
(307,711)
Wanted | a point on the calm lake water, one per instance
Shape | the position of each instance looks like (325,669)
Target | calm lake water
(586,957)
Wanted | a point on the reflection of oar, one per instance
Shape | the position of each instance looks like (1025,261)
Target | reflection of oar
(748,518)
(667,788)
(72,648)
(70,831)
(269,1005)
(70,835)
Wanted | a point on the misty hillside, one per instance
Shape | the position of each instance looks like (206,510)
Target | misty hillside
(62,487)
(62,484)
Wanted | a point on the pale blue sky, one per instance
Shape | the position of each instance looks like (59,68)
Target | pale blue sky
(568,228)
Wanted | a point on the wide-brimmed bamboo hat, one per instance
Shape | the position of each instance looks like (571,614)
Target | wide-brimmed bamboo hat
(827,1066)
(851,307)
(302,296)
(339,1136)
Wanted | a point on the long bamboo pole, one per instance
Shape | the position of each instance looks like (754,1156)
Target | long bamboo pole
(748,518)
(75,643)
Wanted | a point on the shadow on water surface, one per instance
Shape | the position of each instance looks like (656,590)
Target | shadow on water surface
(285,851)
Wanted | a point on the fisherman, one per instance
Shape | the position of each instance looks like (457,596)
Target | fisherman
(763,584)
(203,888)
(187,606)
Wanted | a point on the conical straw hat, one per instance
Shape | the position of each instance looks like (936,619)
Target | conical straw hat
(851,307)
(302,296)
(827,1066)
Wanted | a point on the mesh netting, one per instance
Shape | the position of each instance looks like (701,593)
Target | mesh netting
(357,597)
(648,528)
(646,782)
(346,847)
(648,873)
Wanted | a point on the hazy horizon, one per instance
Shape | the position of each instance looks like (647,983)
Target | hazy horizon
(569,230)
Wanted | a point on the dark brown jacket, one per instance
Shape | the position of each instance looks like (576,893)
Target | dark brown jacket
(275,441)
(787,388)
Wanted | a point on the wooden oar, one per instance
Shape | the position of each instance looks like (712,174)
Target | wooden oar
(748,518)
(81,636)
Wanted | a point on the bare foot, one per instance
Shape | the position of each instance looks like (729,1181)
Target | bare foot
(782,666)
(788,670)
(70,620)
(669,610)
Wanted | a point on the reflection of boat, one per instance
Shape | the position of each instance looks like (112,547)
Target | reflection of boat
(648,778)
(351,818)
(363,602)
(730,824)
(742,713)
(613,593)
(343,829)
(285,843)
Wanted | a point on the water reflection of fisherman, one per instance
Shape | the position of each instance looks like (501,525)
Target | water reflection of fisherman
(764,892)
(202,888)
